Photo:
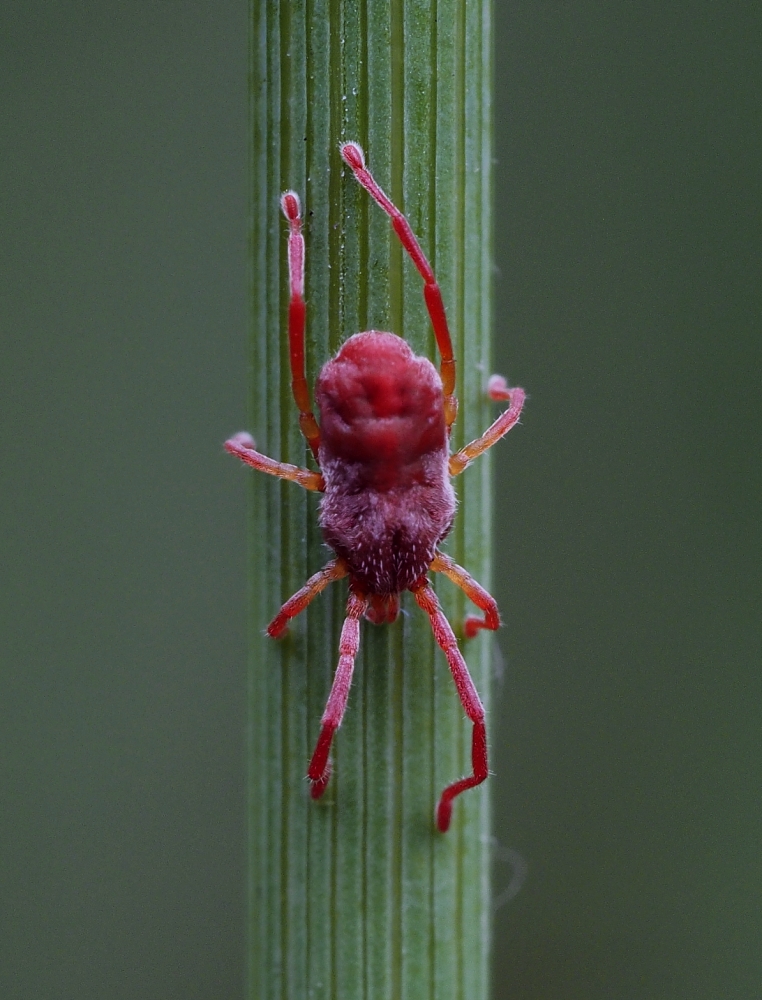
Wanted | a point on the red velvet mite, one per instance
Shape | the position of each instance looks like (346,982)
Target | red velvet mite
(382,444)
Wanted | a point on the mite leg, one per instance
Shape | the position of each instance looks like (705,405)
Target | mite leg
(473,591)
(497,390)
(354,157)
(334,570)
(469,698)
(242,446)
(319,770)
(289,202)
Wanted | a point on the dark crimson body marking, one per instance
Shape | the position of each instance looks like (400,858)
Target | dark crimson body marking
(382,444)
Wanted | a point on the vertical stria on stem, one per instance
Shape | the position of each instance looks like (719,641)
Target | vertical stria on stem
(357,896)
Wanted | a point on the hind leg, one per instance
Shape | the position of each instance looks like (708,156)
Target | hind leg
(469,698)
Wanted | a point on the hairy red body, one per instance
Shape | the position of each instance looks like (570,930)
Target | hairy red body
(382,444)
(388,499)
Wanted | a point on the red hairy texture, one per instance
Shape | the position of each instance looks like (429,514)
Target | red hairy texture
(388,500)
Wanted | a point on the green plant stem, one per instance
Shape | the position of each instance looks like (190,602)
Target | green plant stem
(357,895)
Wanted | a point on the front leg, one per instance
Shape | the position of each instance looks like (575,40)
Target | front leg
(497,389)
(297,311)
(243,446)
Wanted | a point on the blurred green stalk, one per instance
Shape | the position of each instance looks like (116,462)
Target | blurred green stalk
(357,895)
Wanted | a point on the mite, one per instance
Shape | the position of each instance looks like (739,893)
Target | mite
(382,445)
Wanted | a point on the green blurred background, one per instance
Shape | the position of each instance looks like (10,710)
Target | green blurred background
(627,751)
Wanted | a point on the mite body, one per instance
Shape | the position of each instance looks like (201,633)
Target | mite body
(382,444)
(388,498)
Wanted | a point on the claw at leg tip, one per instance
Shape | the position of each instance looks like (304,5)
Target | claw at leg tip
(497,388)
(353,155)
(242,439)
(471,626)
(319,785)
(444,814)
(290,205)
